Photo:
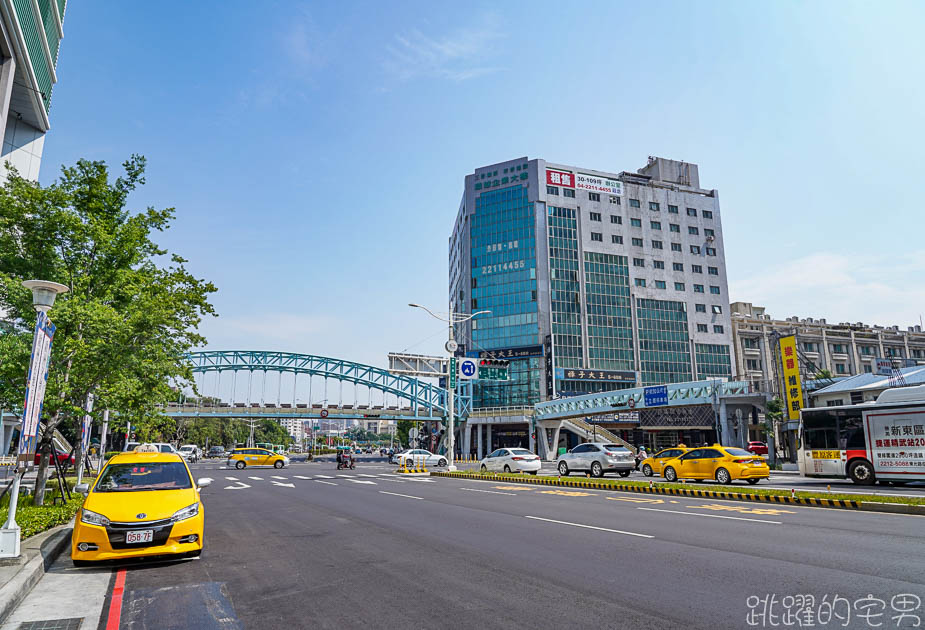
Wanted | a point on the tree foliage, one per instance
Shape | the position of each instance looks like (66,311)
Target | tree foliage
(131,315)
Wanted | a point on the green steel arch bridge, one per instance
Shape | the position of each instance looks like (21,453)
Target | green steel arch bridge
(221,376)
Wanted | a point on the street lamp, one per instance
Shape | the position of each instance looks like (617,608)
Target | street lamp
(43,298)
(451,319)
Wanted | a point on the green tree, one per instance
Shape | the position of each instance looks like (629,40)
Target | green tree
(125,327)
(401,431)
(823,374)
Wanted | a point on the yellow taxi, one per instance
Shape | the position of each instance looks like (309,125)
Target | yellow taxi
(141,504)
(725,464)
(242,457)
(656,463)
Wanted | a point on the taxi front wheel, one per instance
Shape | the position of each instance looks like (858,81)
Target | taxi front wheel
(647,470)
(670,474)
(278,463)
(240,465)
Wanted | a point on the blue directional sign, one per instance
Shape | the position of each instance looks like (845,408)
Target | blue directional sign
(468,368)
(656,396)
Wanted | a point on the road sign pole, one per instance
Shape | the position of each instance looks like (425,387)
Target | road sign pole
(451,381)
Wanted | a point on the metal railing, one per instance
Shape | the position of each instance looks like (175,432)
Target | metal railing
(516,410)
(601,432)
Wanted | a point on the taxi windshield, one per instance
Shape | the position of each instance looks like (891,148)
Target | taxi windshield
(137,477)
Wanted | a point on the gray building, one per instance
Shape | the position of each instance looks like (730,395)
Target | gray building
(595,280)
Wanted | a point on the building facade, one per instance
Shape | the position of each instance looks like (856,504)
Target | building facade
(31,33)
(595,280)
(843,349)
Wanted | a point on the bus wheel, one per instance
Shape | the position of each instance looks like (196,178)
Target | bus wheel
(861,472)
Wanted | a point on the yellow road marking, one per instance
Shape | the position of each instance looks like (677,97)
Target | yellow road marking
(742,509)
(565,493)
(511,488)
(635,499)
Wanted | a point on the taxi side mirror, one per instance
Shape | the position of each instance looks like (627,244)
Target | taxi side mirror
(204,482)
(82,488)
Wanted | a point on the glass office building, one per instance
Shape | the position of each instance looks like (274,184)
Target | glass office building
(595,280)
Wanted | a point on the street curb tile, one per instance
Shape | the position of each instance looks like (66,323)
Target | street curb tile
(44,549)
(898,508)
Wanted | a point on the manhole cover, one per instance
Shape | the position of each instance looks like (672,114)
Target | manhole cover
(52,624)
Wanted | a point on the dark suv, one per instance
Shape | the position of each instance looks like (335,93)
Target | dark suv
(216,451)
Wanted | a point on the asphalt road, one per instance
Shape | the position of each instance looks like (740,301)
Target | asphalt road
(310,546)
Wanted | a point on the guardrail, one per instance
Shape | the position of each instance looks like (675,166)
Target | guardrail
(520,410)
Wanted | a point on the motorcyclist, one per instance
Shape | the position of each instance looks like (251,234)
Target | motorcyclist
(641,455)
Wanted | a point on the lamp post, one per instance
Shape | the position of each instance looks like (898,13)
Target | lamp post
(451,319)
(43,298)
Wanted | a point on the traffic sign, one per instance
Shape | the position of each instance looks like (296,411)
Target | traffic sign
(413,433)
(452,372)
(468,368)
(324,413)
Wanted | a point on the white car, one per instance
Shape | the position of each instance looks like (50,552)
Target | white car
(418,456)
(190,452)
(162,447)
(511,460)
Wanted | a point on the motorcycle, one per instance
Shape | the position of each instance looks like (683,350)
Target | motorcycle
(346,461)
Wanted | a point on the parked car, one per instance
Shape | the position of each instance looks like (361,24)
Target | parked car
(597,458)
(511,460)
(418,456)
(244,457)
(63,458)
(162,447)
(216,451)
(758,448)
(725,464)
(655,464)
(190,452)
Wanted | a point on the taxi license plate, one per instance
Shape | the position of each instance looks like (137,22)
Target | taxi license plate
(758,464)
(139,536)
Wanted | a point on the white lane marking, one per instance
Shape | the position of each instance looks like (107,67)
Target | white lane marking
(240,486)
(603,529)
(330,483)
(732,518)
(395,494)
(231,478)
(372,483)
(345,476)
(301,477)
(362,475)
(278,477)
(325,476)
(422,480)
(285,485)
(510,494)
(256,478)
(395,480)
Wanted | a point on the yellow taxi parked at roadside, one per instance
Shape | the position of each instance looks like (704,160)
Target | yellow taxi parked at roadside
(243,457)
(141,504)
(725,464)
(656,463)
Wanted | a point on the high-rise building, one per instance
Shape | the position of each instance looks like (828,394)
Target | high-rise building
(31,33)
(595,280)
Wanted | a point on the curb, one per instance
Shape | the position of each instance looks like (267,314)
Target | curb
(710,494)
(38,554)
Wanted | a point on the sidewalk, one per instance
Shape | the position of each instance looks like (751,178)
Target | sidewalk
(19,575)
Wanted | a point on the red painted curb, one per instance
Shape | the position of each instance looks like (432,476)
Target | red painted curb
(115,605)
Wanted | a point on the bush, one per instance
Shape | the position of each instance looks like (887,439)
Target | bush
(35,520)
(109,455)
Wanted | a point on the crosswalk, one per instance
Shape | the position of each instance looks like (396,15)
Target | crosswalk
(281,481)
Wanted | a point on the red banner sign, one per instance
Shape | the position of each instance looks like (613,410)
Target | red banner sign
(560,178)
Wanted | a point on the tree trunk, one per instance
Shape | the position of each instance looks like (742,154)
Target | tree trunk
(44,447)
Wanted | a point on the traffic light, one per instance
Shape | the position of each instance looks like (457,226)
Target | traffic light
(493,369)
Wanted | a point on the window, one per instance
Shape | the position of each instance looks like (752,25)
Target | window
(841,348)
(708,232)
(717,329)
(594,196)
(692,212)
(634,203)
(672,209)
(656,244)
(616,220)
(711,251)
(717,309)
(697,268)
(568,192)
(714,289)
(678,286)
(702,328)
(695,249)
(616,239)
(674,227)
(595,216)
(653,205)
(693,230)
(658,264)
(614,200)
(597,236)
(636,222)
(713,271)
(700,308)
(698,288)
(637,242)
(841,368)
(753,365)
(640,282)
(660,284)
(639,262)
(707,214)
(867,368)
(655,225)
(677,266)
(552,190)
(676,247)
(810,347)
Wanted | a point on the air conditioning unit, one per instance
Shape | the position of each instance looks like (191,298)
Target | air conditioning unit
(711,238)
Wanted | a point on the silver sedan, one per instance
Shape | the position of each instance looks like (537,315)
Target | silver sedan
(597,458)
(511,460)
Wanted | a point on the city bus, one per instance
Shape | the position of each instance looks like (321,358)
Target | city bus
(873,441)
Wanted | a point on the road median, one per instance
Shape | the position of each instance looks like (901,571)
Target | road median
(871,503)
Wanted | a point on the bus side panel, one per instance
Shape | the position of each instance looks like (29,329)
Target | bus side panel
(896,442)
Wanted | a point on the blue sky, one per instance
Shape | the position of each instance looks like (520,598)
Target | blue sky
(316,152)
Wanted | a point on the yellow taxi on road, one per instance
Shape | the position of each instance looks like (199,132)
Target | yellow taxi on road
(243,457)
(656,463)
(141,504)
(725,464)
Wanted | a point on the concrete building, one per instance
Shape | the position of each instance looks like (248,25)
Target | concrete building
(843,349)
(295,427)
(865,387)
(31,33)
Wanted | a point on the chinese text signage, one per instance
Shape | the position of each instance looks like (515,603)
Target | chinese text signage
(656,396)
(560,178)
(897,441)
(35,390)
(596,183)
(790,368)
(618,376)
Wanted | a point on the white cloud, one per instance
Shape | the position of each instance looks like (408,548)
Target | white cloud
(884,290)
(458,56)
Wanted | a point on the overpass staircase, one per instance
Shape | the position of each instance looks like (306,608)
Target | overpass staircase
(586,429)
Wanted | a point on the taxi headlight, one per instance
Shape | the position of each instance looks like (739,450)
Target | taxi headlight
(187,512)
(92,518)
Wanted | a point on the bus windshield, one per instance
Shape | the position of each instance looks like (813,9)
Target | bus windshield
(832,429)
